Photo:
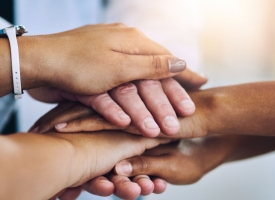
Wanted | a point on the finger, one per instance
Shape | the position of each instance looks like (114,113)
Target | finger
(71,193)
(145,184)
(75,111)
(158,104)
(149,67)
(190,80)
(178,97)
(47,117)
(91,123)
(154,166)
(107,107)
(124,187)
(159,185)
(100,186)
(127,97)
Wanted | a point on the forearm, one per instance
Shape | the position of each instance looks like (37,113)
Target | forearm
(34,166)
(242,109)
(251,146)
(227,148)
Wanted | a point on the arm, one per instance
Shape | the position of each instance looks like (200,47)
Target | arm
(51,163)
(150,105)
(192,159)
(241,109)
(80,55)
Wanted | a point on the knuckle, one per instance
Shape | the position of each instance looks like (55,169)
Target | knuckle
(101,97)
(127,88)
(165,106)
(96,120)
(101,101)
(76,123)
(170,84)
(155,84)
(177,91)
(155,65)
(142,164)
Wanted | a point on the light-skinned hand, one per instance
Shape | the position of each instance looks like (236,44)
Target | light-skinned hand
(151,107)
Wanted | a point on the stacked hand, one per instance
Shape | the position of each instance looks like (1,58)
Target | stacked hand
(214,114)
(66,74)
(149,105)
(65,112)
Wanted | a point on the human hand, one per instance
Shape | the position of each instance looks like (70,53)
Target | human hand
(94,59)
(80,118)
(118,185)
(99,152)
(192,159)
(145,102)
(183,162)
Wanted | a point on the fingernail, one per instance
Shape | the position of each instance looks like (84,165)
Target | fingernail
(35,130)
(170,121)
(124,168)
(150,123)
(61,125)
(123,115)
(176,65)
(187,104)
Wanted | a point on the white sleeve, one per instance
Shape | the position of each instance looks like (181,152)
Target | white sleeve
(4,23)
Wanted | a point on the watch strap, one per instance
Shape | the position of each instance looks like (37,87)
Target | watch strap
(15,64)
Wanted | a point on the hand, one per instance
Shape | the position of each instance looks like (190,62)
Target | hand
(183,162)
(80,118)
(93,59)
(101,158)
(189,160)
(66,160)
(105,104)
(159,104)
(119,185)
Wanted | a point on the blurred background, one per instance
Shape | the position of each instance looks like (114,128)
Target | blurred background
(230,41)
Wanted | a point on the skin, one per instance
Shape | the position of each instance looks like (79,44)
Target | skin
(192,159)
(57,59)
(145,102)
(37,156)
(240,109)
(51,62)
(154,103)
(121,186)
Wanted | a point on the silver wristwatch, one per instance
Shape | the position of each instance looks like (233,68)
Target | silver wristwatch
(19,29)
(11,32)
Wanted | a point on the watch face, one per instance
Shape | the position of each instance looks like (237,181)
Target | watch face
(20,30)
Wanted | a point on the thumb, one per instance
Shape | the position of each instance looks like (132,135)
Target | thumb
(91,123)
(152,67)
(143,165)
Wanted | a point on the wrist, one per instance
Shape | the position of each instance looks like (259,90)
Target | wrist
(218,150)
(207,109)
(32,60)
(77,171)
